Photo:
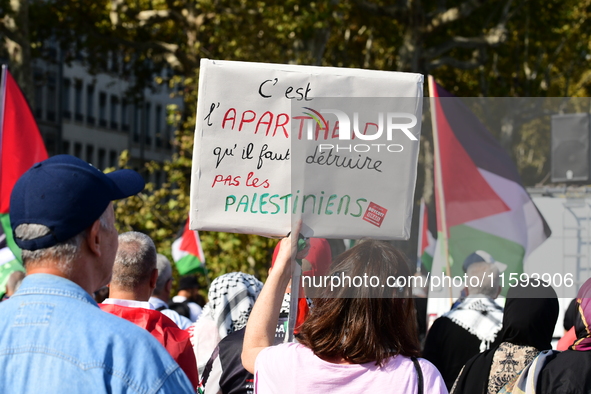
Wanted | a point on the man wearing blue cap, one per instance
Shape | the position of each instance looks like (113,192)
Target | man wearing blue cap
(54,337)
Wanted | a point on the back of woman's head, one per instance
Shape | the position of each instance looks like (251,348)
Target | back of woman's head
(530,315)
(369,316)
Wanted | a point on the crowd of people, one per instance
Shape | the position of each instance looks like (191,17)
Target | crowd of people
(56,338)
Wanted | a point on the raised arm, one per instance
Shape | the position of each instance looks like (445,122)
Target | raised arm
(260,329)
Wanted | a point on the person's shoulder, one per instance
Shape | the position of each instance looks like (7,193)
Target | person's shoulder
(179,320)
(127,341)
(432,377)
(445,323)
(233,337)
(120,331)
(427,366)
(441,323)
(406,361)
(278,360)
(284,350)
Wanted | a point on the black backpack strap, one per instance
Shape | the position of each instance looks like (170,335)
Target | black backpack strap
(161,308)
(419,373)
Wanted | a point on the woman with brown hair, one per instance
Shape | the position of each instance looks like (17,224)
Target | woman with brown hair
(360,337)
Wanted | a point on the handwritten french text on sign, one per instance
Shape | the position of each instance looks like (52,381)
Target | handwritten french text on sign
(336,147)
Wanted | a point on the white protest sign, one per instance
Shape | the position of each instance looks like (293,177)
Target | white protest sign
(335,147)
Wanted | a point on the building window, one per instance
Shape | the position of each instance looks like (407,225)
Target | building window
(66,147)
(90,104)
(78,150)
(102,154)
(113,158)
(167,136)
(103,109)
(78,101)
(136,123)
(90,154)
(147,124)
(114,61)
(158,125)
(52,53)
(66,99)
(50,142)
(124,115)
(158,179)
(38,77)
(114,110)
(51,98)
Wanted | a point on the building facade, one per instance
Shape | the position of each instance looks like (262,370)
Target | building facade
(93,117)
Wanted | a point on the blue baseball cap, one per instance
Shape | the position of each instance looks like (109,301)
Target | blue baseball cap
(67,195)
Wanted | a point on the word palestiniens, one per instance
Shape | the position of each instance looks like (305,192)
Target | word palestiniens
(267,203)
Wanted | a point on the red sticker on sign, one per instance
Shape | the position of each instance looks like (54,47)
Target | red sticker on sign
(375,214)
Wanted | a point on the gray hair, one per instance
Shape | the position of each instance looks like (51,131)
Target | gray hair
(135,260)
(62,254)
(14,281)
(164,273)
(488,279)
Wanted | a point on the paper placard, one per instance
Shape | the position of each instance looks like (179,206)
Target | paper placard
(271,146)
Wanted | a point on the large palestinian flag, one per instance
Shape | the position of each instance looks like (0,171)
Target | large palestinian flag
(187,252)
(480,201)
(21,146)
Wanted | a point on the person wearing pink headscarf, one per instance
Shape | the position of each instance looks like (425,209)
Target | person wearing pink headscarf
(570,371)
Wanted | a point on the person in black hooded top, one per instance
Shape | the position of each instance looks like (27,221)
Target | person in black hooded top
(570,371)
(531,312)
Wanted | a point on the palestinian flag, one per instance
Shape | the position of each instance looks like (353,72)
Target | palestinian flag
(426,244)
(187,252)
(8,262)
(481,203)
(21,146)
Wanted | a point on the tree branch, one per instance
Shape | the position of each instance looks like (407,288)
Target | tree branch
(145,17)
(455,63)
(495,36)
(395,11)
(151,17)
(455,13)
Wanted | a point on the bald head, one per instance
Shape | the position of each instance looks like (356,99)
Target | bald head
(135,262)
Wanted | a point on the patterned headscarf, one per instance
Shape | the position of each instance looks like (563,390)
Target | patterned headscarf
(583,342)
(231,298)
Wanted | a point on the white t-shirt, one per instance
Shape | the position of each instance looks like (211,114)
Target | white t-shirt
(293,368)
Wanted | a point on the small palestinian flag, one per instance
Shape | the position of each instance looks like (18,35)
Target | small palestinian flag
(480,201)
(8,262)
(187,252)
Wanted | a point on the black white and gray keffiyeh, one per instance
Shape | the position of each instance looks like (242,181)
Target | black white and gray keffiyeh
(481,317)
(284,311)
(231,298)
